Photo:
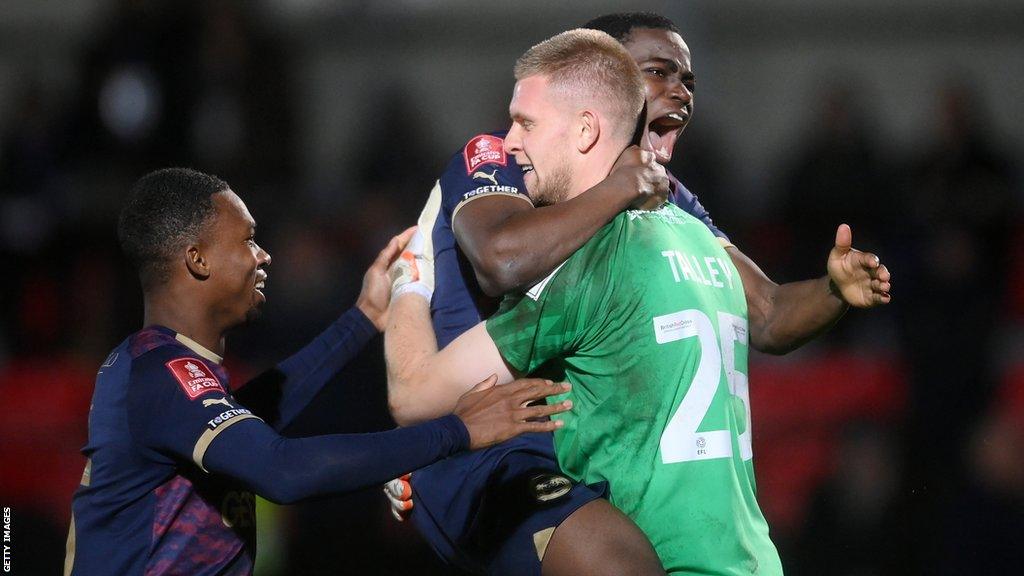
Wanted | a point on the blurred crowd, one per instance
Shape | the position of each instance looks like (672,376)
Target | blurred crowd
(894,445)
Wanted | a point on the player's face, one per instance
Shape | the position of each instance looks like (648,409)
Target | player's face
(237,264)
(539,140)
(664,60)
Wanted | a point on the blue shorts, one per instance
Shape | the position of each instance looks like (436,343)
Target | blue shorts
(492,511)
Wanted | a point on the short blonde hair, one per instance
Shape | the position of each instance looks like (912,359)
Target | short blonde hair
(591,66)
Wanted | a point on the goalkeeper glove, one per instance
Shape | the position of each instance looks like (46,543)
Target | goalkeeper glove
(399,493)
(413,271)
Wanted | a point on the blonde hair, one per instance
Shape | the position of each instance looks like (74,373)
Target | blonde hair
(591,66)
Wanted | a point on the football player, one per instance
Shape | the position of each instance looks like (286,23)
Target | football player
(174,457)
(488,238)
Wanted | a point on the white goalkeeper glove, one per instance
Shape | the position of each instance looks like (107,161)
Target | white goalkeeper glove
(413,271)
(399,493)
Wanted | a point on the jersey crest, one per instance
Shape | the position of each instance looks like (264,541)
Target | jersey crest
(194,377)
(484,149)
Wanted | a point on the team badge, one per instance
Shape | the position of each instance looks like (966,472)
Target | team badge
(194,377)
(484,149)
(548,487)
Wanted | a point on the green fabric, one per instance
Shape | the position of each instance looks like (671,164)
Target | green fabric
(648,321)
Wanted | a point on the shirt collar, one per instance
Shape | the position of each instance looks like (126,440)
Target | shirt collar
(199,348)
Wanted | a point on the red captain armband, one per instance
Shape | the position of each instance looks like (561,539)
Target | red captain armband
(484,149)
(194,377)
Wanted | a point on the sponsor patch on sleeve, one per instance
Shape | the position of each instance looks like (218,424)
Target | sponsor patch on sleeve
(484,149)
(227,416)
(490,190)
(194,377)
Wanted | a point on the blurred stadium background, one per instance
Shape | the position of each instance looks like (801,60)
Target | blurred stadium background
(894,445)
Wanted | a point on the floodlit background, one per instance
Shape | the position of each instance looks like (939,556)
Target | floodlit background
(893,445)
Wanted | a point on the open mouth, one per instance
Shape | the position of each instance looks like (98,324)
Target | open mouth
(526,168)
(662,133)
(261,285)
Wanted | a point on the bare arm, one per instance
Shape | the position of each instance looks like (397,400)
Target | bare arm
(422,382)
(785,317)
(512,245)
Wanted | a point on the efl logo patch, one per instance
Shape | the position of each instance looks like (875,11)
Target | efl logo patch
(484,149)
(195,378)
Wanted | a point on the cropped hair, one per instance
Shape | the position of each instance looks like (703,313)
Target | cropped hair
(620,25)
(165,210)
(592,67)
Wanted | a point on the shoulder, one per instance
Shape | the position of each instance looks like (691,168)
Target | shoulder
(160,361)
(481,168)
(687,201)
(681,195)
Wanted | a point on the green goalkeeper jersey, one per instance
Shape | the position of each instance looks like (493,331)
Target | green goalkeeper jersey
(648,321)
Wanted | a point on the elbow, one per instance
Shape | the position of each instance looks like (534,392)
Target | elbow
(410,406)
(773,349)
(766,342)
(495,283)
(497,266)
(497,275)
(400,413)
(280,491)
(402,407)
(279,497)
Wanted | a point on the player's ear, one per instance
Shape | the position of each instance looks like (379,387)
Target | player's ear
(196,263)
(588,132)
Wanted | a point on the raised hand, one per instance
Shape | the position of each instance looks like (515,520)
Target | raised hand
(493,414)
(859,278)
(376,292)
(637,170)
(413,271)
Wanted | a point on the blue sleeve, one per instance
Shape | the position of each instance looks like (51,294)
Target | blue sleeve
(174,397)
(178,407)
(481,169)
(286,470)
(476,171)
(688,202)
(281,393)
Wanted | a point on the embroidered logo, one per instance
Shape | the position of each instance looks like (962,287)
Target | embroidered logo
(211,401)
(484,149)
(493,176)
(194,377)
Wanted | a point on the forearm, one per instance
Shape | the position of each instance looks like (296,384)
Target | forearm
(281,393)
(415,391)
(527,245)
(785,317)
(424,383)
(287,470)
(798,312)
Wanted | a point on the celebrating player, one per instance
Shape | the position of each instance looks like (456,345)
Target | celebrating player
(645,321)
(174,456)
(506,242)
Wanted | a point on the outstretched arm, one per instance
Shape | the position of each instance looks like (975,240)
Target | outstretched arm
(218,434)
(286,470)
(281,393)
(785,317)
(512,245)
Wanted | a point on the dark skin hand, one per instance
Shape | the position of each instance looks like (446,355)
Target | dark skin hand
(784,317)
(513,245)
(493,414)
